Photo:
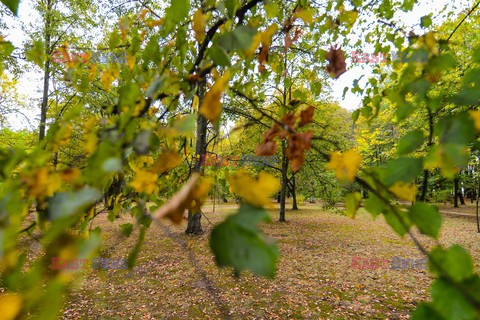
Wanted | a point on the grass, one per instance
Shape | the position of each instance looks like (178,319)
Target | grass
(314,278)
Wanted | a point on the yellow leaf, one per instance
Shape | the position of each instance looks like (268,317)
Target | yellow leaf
(199,24)
(154,23)
(346,165)
(71,174)
(167,160)
(305,14)
(430,42)
(131,61)
(106,79)
(195,103)
(475,114)
(255,192)
(91,142)
(92,73)
(145,181)
(267,35)
(142,14)
(43,183)
(257,38)
(200,193)
(10,306)
(404,191)
(212,107)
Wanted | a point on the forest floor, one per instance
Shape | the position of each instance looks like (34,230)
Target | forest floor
(315,278)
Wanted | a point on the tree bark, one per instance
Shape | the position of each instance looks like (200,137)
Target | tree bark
(455,192)
(194,218)
(294,194)
(283,192)
(476,209)
(46,75)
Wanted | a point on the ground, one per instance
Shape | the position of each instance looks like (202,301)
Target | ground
(315,278)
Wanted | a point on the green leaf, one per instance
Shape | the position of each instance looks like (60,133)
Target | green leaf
(238,243)
(352,203)
(374,205)
(65,204)
(450,302)
(141,143)
(231,6)
(455,261)
(186,124)
(456,129)
(271,9)
(396,224)
(132,256)
(127,229)
(402,169)
(219,56)
(408,5)
(425,312)
(12,5)
(441,63)
(154,89)
(426,218)
(177,11)
(6,49)
(410,142)
(129,94)
(36,53)
(467,97)
(476,55)
(426,21)
(355,115)
(403,111)
(238,39)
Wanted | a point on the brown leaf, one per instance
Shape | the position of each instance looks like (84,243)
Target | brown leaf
(289,119)
(262,58)
(175,207)
(298,143)
(297,35)
(268,148)
(306,116)
(288,42)
(270,134)
(336,62)
(191,196)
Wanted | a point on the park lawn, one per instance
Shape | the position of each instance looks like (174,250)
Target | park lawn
(315,279)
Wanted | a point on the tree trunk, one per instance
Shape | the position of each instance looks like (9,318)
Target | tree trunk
(455,192)
(294,194)
(194,218)
(460,195)
(283,193)
(46,75)
(476,209)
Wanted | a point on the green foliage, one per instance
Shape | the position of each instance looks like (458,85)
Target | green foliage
(426,218)
(12,5)
(127,229)
(65,204)
(238,243)
(410,142)
(352,203)
(402,169)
